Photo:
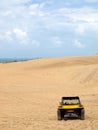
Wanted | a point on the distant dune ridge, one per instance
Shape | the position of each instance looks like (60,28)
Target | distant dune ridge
(68,68)
(30,92)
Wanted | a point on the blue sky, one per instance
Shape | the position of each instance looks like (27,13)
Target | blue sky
(48,28)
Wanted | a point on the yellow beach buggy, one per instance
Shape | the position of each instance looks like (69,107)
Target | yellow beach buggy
(70,107)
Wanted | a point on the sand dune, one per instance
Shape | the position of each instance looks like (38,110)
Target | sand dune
(30,92)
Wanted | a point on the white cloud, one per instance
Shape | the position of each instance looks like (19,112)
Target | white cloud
(21,36)
(24,38)
(57,42)
(50,19)
(80,18)
(15,34)
(23,20)
(19,33)
(81,28)
(6,36)
(78,44)
(84,14)
(36,9)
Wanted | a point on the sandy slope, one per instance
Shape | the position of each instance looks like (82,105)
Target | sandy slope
(30,92)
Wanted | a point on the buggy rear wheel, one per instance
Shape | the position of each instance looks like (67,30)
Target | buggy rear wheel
(59,115)
(82,116)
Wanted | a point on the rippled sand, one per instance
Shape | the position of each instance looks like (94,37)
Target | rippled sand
(30,92)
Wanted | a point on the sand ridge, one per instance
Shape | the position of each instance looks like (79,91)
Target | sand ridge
(30,92)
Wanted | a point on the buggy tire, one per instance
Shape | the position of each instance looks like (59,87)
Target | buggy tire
(82,116)
(59,115)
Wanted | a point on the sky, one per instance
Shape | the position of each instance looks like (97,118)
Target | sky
(48,28)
